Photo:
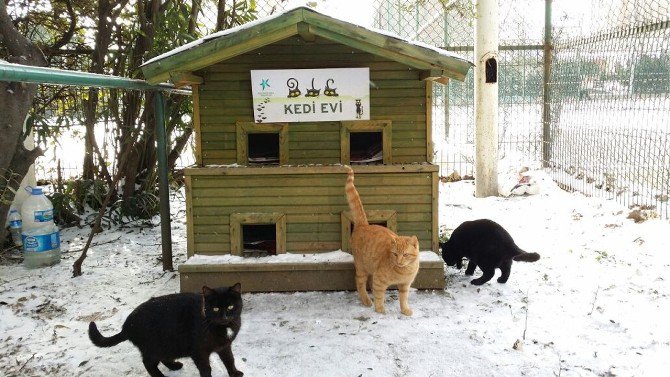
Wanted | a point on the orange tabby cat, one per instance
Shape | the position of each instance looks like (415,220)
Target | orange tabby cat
(380,253)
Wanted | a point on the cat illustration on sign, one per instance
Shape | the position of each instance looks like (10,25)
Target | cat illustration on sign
(330,92)
(359,109)
(293,90)
(312,92)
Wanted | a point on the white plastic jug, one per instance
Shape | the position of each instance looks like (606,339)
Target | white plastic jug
(40,235)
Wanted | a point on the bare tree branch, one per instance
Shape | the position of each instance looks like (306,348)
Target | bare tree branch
(76,267)
(67,36)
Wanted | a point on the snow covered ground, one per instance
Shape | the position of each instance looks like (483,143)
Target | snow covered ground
(596,304)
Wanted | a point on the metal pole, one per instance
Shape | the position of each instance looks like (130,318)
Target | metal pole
(445,88)
(486,98)
(44,75)
(546,109)
(163,188)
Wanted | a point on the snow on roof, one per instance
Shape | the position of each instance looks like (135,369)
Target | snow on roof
(216,35)
(251,24)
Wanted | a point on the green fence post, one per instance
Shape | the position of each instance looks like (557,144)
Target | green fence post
(163,187)
(546,100)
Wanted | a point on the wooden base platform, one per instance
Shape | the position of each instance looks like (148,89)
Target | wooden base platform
(292,272)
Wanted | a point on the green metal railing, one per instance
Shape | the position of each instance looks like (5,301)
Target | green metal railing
(43,75)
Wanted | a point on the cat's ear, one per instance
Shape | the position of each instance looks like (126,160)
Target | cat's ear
(415,241)
(206,291)
(237,288)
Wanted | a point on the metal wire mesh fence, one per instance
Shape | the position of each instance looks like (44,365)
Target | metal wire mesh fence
(610,110)
(449,24)
(58,128)
(610,118)
(610,84)
(58,121)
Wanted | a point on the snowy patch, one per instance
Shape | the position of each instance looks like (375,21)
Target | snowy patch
(338,256)
(596,304)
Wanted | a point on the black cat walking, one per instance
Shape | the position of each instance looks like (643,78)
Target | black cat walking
(182,325)
(486,244)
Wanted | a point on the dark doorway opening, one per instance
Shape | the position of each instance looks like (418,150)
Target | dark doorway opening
(366,148)
(259,240)
(263,148)
(491,71)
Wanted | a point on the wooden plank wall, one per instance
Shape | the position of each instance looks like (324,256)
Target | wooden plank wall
(312,204)
(397,93)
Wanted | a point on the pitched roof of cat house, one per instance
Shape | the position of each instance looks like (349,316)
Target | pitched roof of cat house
(179,64)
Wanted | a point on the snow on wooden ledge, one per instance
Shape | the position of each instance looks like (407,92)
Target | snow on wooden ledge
(338,256)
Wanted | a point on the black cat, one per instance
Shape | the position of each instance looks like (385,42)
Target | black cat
(486,244)
(182,325)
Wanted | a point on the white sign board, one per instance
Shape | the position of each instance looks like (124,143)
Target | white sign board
(311,95)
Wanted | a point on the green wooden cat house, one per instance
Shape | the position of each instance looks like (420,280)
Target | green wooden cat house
(280,105)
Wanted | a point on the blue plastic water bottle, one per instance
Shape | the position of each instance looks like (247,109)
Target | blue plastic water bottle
(15,225)
(40,236)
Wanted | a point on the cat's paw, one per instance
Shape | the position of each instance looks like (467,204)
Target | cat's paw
(477,282)
(237,374)
(407,311)
(366,301)
(502,280)
(380,309)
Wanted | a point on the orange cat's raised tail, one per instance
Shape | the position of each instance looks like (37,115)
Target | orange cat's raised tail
(354,200)
(379,253)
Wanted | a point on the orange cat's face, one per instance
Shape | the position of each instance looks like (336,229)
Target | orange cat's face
(406,251)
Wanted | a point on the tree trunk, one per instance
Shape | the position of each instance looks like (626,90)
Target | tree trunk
(143,148)
(103,38)
(179,144)
(15,101)
(221,16)
(90,109)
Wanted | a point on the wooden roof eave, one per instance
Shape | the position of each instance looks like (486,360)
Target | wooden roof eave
(443,77)
(379,44)
(435,75)
(371,48)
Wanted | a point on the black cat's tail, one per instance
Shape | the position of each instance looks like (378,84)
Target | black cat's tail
(102,341)
(527,257)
